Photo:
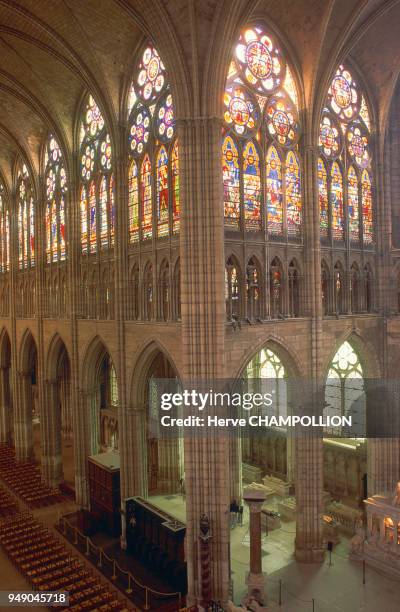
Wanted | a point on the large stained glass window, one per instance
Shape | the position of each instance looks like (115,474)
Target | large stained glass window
(4,231)
(230,175)
(26,219)
(344,138)
(154,195)
(261,106)
(56,190)
(96,161)
(336,193)
(251,186)
(344,391)
(323,198)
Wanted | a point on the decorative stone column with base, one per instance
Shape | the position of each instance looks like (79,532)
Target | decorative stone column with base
(254,496)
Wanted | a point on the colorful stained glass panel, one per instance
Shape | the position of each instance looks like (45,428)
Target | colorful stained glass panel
(251,187)
(323,199)
(293,196)
(176,202)
(230,177)
(366,200)
(146,199)
(162,193)
(336,193)
(352,205)
(274,193)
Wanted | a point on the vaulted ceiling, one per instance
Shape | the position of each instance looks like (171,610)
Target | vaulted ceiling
(51,51)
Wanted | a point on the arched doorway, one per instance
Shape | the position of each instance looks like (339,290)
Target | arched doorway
(27,413)
(59,465)
(6,404)
(345,458)
(164,455)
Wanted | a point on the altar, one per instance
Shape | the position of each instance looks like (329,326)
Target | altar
(381,547)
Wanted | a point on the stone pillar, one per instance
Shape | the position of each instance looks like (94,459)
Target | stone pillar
(203,336)
(5,407)
(23,418)
(82,449)
(256,578)
(235,467)
(50,424)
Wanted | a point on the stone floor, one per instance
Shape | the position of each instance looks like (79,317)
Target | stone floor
(334,588)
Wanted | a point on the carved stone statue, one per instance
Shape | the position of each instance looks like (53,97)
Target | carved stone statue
(396,498)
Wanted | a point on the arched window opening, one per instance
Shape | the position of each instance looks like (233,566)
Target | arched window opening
(134,290)
(344,136)
(267,365)
(165,292)
(148,293)
(354,288)
(97,201)
(26,219)
(253,289)
(344,391)
(261,106)
(232,290)
(4,231)
(56,193)
(152,148)
(339,289)
(276,289)
(177,291)
(368,288)
(325,293)
(294,290)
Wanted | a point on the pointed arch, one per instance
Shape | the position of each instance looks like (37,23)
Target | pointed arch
(231,181)
(252,186)
(294,209)
(57,349)
(274,186)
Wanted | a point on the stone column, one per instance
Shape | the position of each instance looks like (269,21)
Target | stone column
(235,467)
(5,408)
(203,336)
(50,424)
(256,578)
(82,449)
(23,418)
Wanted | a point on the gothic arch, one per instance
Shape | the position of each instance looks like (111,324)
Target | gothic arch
(54,352)
(141,367)
(290,360)
(5,348)
(92,359)
(364,349)
(27,350)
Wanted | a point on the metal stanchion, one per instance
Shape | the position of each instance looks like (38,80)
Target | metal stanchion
(313,605)
(129,589)
(114,576)
(280,591)
(363,571)
(146,603)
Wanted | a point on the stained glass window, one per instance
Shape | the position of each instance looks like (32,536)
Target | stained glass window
(146,198)
(84,219)
(162,193)
(56,189)
(366,203)
(97,181)
(251,187)
(153,147)
(274,193)
(26,219)
(176,202)
(261,102)
(323,198)
(230,173)
(352,205)
(344,391)
(133,203)
(4,232)
(293,195)
(337,202)
(345,135)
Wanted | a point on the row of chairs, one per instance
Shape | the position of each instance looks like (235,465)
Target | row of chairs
(25,481)
(48,566)
(8,506)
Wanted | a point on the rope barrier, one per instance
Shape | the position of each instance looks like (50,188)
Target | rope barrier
(65,524)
